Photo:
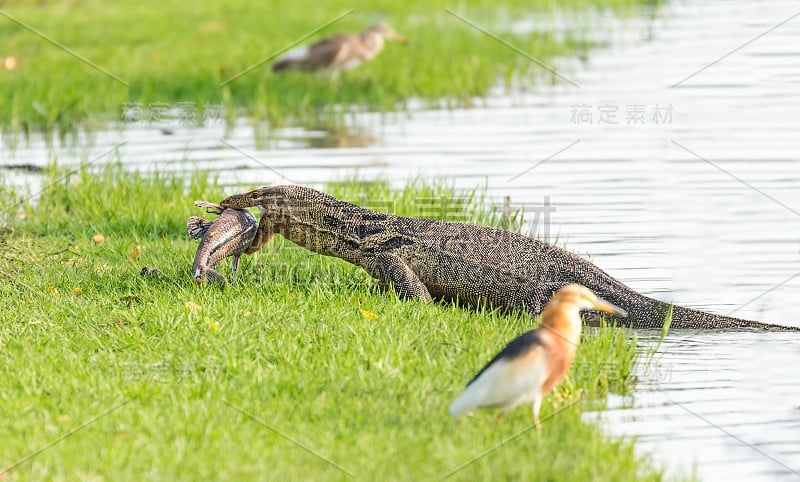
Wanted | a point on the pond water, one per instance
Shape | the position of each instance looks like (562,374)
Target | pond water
(673,163)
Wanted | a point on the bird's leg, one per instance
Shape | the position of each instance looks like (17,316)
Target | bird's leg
(501,418)
(333,81)
(536,406)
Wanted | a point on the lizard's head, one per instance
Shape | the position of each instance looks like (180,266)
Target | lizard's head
(256,197)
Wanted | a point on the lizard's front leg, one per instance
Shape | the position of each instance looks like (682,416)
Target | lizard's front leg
(390,269)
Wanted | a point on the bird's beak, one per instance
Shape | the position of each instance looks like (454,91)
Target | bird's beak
(399,39)
(603,305)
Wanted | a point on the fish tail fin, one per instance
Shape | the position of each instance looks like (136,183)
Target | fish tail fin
(197,226)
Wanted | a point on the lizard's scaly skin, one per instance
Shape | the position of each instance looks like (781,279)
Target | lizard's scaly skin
(472,264)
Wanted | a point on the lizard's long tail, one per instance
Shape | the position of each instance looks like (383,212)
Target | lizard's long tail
(644,312)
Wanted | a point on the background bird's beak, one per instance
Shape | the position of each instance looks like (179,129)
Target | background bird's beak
(609,308)
(399,39)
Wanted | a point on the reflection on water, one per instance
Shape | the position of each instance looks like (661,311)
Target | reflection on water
(689,193)
(341,137)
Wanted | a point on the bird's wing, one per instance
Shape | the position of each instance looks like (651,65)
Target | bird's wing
(318,55)
(504,382)
(515,348)
(327,52)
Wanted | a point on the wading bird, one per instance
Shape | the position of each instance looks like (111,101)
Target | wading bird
(344,51)
(536,361)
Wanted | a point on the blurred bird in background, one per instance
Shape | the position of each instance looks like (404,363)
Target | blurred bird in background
(344,51)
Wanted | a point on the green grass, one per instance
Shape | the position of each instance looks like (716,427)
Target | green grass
(287,343)
(168,53)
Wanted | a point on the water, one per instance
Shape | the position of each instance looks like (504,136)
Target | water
(724,405)
(698,204)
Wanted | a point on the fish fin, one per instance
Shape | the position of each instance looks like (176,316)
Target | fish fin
(197,226)
(210,207)
(216,275)
(209,274)
(249,228)
(235,266)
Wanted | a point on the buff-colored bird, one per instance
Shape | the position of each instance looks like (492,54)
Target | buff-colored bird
(340,52)
(536,361)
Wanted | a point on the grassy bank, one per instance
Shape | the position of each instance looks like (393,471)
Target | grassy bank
(299,361)
(166,54)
